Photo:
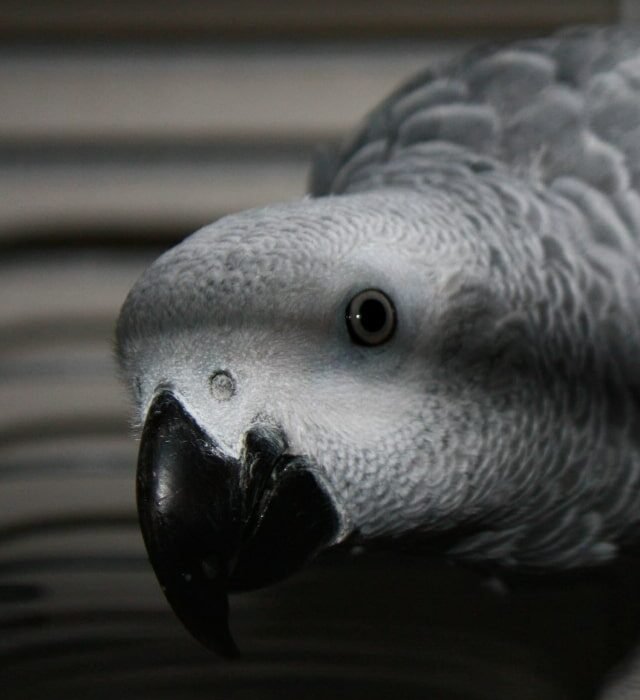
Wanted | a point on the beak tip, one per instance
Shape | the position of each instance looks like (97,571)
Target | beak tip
(204,611)
(221,642)
(227,648)
(207,532)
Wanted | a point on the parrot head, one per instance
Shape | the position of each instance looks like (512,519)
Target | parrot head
(336,369)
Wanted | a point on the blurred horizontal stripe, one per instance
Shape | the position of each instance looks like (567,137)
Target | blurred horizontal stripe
(284,17)
(94,139)
(42,288)
(41,198)
(201,91)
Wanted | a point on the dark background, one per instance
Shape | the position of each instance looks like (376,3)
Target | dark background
(124,127)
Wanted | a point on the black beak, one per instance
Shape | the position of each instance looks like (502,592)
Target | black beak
(212,524)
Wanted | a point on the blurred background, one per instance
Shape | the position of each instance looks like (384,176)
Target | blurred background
(125,126)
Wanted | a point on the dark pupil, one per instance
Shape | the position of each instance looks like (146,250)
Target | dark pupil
(372,315)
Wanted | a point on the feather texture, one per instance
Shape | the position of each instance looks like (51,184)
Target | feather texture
(496,200)
(563,107)
(551,126)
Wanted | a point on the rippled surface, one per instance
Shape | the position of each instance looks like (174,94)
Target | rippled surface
(81,614)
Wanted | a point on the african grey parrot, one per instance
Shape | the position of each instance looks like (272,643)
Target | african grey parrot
(440,345)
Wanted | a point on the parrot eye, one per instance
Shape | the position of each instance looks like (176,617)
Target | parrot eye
(371,317)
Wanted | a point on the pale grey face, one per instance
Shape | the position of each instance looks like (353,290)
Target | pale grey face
(268,430)
(503,405)
(238,337)
(262,297)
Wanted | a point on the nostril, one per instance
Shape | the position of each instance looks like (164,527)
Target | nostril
(222,385)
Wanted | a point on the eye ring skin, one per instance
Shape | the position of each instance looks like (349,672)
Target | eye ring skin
(371,317)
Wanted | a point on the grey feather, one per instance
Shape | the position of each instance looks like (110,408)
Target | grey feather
(564,106)
(503,190)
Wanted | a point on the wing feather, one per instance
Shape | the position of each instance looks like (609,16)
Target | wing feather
(563,107)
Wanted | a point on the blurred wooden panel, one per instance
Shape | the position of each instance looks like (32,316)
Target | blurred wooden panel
(72,285)
(23,500)
(58,374)
(49,406)
(194,91)
(629,11)
(301,18)
(138,193)
(132,138)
